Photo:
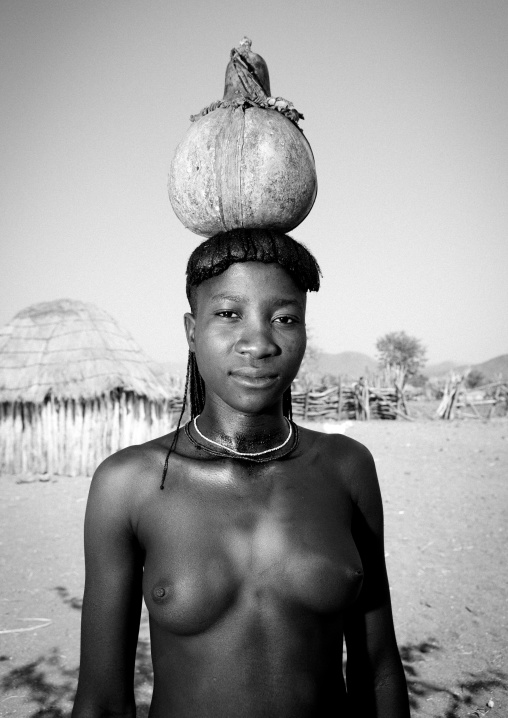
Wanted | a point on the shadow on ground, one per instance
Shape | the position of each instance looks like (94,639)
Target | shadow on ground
(470,695)
(46,683)
(51,686)
(71,601)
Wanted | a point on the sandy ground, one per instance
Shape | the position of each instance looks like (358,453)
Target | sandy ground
(445,489)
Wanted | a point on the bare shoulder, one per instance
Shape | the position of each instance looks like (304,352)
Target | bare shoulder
(351,459)
(339,446)
(127,475)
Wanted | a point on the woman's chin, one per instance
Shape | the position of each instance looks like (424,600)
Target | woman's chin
(255,400)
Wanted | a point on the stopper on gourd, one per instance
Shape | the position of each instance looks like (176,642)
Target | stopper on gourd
(256,65)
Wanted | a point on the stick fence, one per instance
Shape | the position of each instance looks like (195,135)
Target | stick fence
(359,401)
(71,437)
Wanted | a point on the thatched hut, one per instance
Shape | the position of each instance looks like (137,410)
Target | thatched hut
(74,388)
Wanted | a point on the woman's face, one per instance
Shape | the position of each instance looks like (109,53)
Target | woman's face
(248,334)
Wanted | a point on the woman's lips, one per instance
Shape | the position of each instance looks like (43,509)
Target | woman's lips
(254,377)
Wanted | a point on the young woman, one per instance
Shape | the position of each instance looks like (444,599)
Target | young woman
(264,548)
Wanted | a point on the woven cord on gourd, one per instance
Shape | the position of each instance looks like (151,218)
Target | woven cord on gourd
(253,94)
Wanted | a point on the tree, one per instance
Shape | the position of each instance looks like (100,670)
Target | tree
(475,378)
(309,368)
(419,380)
(400,354)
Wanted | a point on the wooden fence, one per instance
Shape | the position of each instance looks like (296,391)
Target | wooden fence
(479,403)
(71,437)
(338,402)
(358,401)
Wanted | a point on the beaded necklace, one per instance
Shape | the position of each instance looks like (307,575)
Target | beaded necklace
(259,457)
(244,453)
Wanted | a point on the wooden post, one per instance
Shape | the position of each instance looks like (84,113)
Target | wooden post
(50,428)
(84,437)
(78,433)
(493,406)
(306,404)
(115,434)
(10,438)
(122,421)
(357,403)
(366,407)
(339,406)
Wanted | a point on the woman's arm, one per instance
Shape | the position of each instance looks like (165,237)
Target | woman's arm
(375,678)
(112,598)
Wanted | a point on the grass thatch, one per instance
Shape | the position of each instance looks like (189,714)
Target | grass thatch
(68,349)
(74,388)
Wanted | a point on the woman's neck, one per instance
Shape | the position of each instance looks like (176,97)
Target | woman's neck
(243,432)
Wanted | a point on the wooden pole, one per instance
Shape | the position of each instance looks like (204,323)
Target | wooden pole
(115,434)
(306,404)
(366,406)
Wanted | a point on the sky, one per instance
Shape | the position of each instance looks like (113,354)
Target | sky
(406,110)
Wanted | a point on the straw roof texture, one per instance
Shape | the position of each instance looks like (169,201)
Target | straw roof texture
(71,350)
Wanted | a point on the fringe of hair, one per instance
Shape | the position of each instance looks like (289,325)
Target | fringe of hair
(217,254)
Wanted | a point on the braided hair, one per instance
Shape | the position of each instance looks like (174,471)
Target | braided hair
(216,255)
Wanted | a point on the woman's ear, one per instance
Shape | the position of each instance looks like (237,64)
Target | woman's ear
(190,328)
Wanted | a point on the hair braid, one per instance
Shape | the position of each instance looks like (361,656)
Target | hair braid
(287,406)
(175,437)
(197,388)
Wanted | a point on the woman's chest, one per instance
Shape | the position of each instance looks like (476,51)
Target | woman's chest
(207,551)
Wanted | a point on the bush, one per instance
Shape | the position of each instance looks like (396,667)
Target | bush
(475,378)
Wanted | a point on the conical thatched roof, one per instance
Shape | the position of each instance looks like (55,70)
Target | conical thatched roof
(70,349)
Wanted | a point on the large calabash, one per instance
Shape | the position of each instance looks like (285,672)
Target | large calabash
(242,167)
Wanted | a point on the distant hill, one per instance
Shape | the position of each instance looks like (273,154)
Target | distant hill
(438,370)
(351,364)
(494,369)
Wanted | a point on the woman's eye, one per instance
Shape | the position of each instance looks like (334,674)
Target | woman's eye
(227,314)
(285,320)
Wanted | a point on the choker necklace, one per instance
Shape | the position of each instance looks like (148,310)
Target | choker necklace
(245,454)
(258,458)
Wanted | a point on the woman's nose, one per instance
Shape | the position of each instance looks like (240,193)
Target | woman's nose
(258,342)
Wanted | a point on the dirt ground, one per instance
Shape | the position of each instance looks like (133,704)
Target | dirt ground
(445,490)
